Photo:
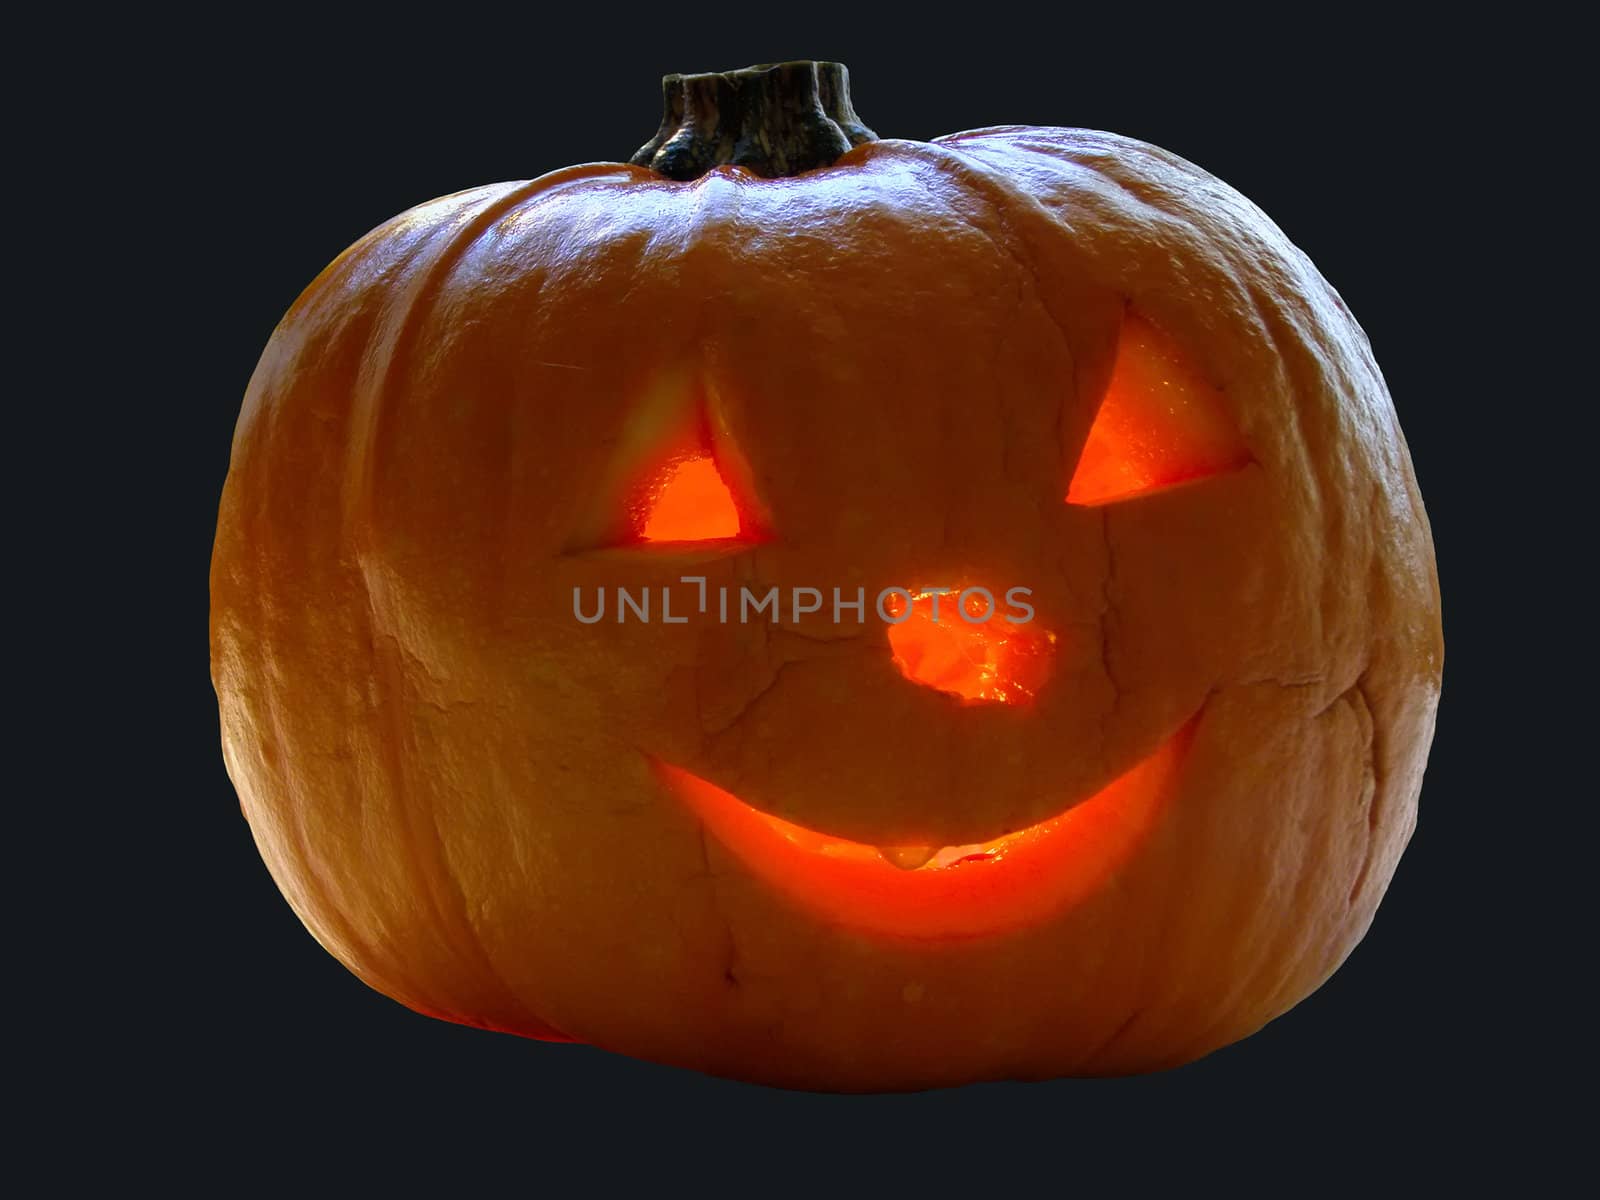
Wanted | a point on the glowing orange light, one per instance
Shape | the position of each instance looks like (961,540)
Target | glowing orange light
(693,504)
(959,891)
(1161,423)
(993,660)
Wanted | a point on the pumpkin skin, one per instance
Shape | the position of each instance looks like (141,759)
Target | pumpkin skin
(460,789)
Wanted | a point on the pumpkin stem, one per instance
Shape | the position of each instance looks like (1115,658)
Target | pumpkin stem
(776,119)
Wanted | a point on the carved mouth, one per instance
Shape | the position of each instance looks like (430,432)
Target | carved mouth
(951,891)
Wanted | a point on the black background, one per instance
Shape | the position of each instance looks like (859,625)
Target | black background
(249,158)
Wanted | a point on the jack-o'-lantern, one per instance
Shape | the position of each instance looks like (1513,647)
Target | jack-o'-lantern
(573,603)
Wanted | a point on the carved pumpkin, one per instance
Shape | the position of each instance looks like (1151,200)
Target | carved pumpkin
(797,844)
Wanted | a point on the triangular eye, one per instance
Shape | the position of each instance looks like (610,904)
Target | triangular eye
(676,475)
(692,504)
(1161,423)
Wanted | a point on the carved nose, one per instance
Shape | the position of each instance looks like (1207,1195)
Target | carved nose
(971,643)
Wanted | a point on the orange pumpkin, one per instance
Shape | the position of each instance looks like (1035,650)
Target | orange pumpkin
(750,831)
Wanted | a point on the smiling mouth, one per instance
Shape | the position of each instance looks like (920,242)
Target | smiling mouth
(972,890)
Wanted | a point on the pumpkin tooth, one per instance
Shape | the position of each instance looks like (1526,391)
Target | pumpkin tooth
(907,858)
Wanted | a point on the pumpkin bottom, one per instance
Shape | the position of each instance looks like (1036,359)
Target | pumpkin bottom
(1205,892)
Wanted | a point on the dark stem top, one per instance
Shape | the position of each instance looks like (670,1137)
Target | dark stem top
(775,120)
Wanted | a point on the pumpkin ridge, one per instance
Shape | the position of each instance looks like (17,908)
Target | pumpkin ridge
(372,408)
